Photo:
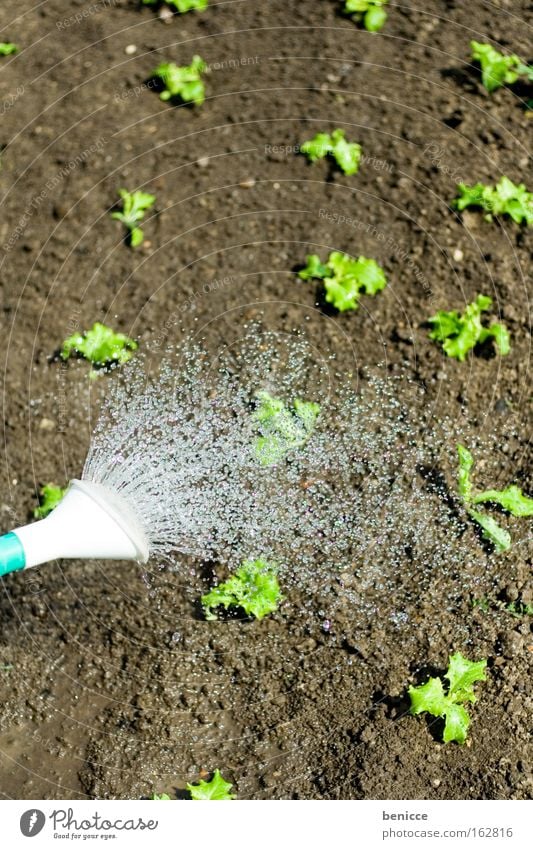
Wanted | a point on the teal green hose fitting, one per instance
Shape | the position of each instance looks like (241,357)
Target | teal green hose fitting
(12,555)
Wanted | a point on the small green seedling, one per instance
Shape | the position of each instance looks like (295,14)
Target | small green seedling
(430,698)
(7,48)
(505,198)
(183,82)
(49,497)
(163,797)
(282,427)
(460,334)
(346,154)
(497,69)
(101,346)
(134,207)
(517,609)
(217,789)
(254,587)
(368,12)
(180,6)
(345,278)
(510,499)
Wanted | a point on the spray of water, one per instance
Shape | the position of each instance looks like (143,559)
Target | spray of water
(363,504)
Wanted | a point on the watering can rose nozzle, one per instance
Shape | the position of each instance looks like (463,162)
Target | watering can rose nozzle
(91,521)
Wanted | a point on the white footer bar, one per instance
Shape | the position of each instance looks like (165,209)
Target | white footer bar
(251,824)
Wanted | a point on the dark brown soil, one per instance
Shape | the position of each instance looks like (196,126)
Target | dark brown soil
(116,689)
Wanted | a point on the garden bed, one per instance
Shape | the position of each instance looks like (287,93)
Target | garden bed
(115,685)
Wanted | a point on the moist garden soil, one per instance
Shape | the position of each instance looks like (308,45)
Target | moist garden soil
(111,683)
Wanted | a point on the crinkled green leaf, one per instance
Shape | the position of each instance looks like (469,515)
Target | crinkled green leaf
(134,207)
(505,198)
(346,154)
(49,497)
(314,268)
(459,334)
(375,19)
(370,12)
(180,5)
(282,428)
(217,789)
(462,674)
(182,81)
(497,69)
(163,796)
(526,71)
(501,337)
(7,48)
(511,499)
(498,536)
(456,724)
(318,147)
(254,587)
(430,697)
(466,461)
(100,345)
(346,278)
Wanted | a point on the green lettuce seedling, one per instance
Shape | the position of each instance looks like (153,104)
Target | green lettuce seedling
(49,497)
(179,5)
(369,12)
(7,48)
(101,346)
(183,82)
(254,587)
(505,198)
(345,278)
(282,427)
(346,154)
(510,499)
(497,69)
(459,334)
(430,698)
(163,796)
(217,789)
(134,207)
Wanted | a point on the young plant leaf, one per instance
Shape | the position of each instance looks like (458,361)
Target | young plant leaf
(370,12)
(49,497)
(254,587)
(345,278)
(181,6)
(430,698)
(346,154)
(497,69)
(217,789)
(315,268)
(100,345)
(492,531)
(7,48)
(511,499)
(461,675)
(505,198)
(163,796)
(134,207)
(459,334)
(466,462)
(182,81)
(282,428)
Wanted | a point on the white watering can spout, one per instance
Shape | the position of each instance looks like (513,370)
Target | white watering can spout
(91,521)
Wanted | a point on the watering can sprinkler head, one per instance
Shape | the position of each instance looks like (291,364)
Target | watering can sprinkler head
(91,521)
